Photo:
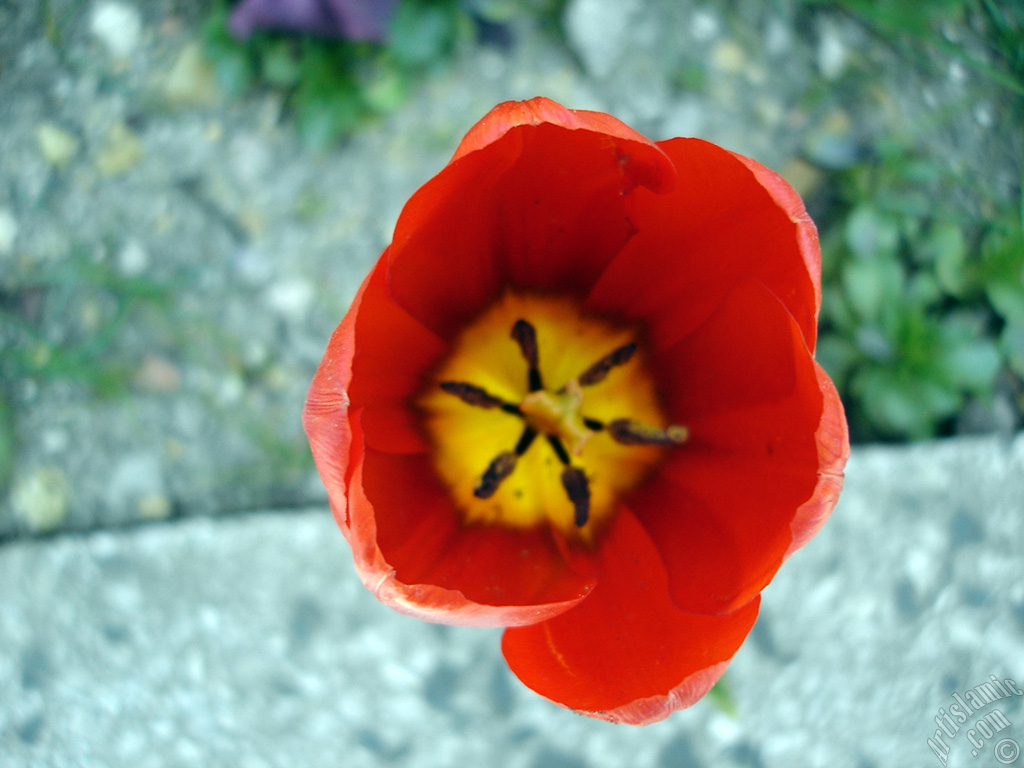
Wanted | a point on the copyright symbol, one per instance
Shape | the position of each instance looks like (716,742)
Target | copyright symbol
(1007,751)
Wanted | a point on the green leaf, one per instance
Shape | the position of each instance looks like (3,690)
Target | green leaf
(721,698)
(946,248)
(1011,342)
(215,29)
(872,286)
(385,90)
(1002,250)
(838,356)
(939,399)
(1008,301)
(1002,268)
(905,16)
(321,69)
(835,308)
(870,233)
(875,345)
(945,240)
(421,31)
(973,366)
(234,72)
(6,443)
(923,290)
(899,403)
(280,65)
(889,406)
(498,11)
(833,250)
(324,120)
(919,171)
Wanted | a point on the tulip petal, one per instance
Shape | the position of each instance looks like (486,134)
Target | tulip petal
(762,467)
(408,543)
(727,219)
(413,551)
(392,348)
(833,441)
(533,199)
(626,653)
(379,377)
(325,414)
(649,166)
(393,354)
(807,241)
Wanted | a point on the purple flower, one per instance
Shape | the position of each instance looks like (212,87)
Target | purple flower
(349,19)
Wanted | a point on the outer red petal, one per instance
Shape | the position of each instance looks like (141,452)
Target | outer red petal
(409,546)
(647,164)
(806,235)
(626,653)
(393,353)
(413,551)
(727,219)
(763,466)
(390,372)
(533,199)
(833,440)
(325,415)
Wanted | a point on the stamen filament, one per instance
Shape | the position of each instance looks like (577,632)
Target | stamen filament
(556,444)
(525,440)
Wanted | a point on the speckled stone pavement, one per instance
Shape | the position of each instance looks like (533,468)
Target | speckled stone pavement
(249,641)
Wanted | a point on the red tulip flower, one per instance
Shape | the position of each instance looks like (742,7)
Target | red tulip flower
(576,397)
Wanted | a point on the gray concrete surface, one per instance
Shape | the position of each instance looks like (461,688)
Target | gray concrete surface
(248,641)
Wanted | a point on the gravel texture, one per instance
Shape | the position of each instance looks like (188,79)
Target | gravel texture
(248,641)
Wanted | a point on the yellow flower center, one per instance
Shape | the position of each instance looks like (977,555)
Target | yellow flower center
(541,414)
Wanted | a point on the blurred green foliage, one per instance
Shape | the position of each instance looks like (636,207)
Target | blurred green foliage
(334,86)
(922,307)
(6,441)
(86,324)
(923,304)
(721,697)
(1001,23)
(899,16)
(66,324)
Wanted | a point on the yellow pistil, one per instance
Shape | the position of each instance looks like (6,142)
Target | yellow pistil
(558,413)
(540,414)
